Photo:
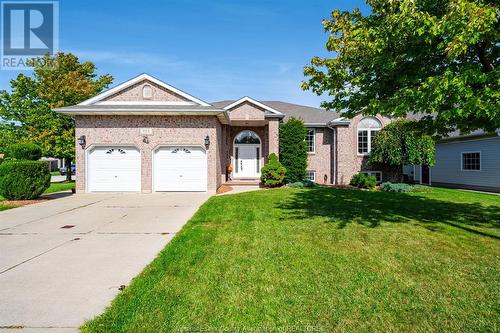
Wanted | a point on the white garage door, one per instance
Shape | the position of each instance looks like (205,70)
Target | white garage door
(180,169)
(115,169)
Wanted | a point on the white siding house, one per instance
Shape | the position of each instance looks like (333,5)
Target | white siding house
(472,162)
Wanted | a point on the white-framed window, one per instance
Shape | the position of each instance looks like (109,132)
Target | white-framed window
(376,174)
(471,161)
(368,128)
(311,140)
(311,175)
(147,91)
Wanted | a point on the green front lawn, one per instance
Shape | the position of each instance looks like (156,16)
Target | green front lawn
(337,260)
(60,186)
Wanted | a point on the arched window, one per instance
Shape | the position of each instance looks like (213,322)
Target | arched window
(147,91)
(247,137)
(367,129)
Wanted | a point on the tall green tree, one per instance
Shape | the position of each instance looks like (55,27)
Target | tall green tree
(32,99)
(400,143)
(435,57)
(293,149)
(9,134)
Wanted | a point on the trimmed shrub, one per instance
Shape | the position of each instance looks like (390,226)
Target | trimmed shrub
(293,149)
(23,180)
(305,183)
(24,151)
(308,183)
(362,180)
(273,173)
(396,187)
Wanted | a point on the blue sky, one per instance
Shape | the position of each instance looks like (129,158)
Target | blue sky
(215,50)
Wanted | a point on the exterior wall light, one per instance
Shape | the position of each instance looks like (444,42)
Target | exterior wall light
(82,140)
(145,139)
(207,141)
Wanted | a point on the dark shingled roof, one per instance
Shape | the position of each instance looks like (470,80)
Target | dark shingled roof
(309,114)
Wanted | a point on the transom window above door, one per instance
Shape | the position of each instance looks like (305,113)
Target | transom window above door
(247,137)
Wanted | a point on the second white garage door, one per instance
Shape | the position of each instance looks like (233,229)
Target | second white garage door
(180,169)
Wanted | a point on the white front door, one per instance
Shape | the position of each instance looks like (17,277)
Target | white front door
(247,161)
(114,169)
(180,169)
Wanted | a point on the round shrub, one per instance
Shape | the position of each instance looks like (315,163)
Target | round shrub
(362,180)
(305,183)
(25,151)
(273,173)
(23,180)
(296,185)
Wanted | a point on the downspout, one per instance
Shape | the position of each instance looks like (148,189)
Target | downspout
(334,153)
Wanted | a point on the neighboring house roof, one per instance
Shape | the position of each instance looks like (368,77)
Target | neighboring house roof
(311,115)
(455,134)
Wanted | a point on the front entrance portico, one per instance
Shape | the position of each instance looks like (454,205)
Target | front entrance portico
(247,155)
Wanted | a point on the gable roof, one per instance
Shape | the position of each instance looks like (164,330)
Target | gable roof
(312,116)
(138,79)
(269,110)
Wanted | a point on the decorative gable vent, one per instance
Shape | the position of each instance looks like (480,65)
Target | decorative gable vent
(147,92)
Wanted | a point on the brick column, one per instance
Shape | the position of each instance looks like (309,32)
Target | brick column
(274,136)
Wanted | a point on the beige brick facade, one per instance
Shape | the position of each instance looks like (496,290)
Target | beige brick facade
(134,93)
(246,111)
(348,161)
(167,130)
(321,160)
(335,159)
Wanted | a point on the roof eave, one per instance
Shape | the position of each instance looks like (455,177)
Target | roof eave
(279,116)
(339,122)
(316,124)
(135,111)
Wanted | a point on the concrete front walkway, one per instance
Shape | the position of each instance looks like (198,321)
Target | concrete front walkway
(62,261)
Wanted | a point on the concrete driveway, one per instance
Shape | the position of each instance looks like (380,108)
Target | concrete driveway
(62,261)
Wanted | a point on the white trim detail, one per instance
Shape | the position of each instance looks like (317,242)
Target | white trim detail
(137,79)
(471,152)
(144,103)
(253,101)
(430,175)
(339,121)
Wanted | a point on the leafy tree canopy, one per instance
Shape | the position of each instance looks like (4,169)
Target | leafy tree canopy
(293,149)
(435,57)
(31,100)
(400,143)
